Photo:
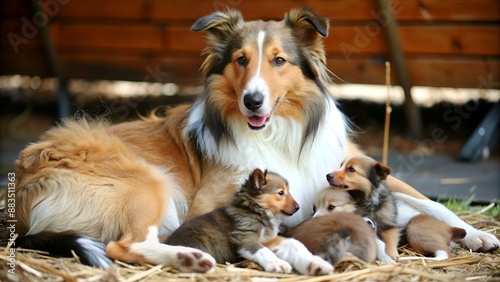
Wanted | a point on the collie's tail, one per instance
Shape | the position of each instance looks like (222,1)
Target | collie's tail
(89,251)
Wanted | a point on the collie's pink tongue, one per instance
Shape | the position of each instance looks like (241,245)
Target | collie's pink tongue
(257,121)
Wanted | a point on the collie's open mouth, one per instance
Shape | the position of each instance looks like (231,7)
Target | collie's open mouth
(257,122)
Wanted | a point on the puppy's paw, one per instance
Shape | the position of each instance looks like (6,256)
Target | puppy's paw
(480,241)
(319,266)
(279,266)
(192,260)
(384,258)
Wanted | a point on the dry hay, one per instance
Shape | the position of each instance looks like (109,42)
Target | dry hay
(464,266)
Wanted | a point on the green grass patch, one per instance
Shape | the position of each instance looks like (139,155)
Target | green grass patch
(466,205)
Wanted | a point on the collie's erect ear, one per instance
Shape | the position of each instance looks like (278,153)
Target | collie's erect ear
(259,178)
(219,24)
(382,170)
(308,25)
(309,29)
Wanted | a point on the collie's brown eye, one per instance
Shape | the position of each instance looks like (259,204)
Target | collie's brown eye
(242,61)
(351,169)
(281,193)
(279,61)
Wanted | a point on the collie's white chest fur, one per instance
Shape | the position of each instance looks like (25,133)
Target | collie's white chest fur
(278,147)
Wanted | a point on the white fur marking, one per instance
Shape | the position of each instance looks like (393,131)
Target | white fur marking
(301,259)
(268,260)
(157,253)
(381,255)
(260,45)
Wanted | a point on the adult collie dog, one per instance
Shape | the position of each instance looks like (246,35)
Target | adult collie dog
(265,104)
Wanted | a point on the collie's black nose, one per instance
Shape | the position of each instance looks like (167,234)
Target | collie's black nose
(329,176)
(297,207)
(253,101)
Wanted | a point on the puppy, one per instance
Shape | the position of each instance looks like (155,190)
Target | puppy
(364,179)
(248,229)
(332,235)
(330,201)
(430,236)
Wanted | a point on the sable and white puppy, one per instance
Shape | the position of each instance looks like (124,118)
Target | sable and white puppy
(430,236)
(248,228)
(364,179)
(333,235)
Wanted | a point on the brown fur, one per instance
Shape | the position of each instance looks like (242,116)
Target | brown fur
(331,236)
(426,235)
(248,224)
(364,179)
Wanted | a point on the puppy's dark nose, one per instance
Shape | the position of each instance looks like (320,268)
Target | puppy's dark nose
(297,207)
(253,101)
(329,176)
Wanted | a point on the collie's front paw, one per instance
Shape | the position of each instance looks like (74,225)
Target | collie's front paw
(279,266)
(319,266)
(480,241)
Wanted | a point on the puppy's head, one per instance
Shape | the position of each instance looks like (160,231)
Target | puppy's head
(271,191)
(330,200)
(360,173)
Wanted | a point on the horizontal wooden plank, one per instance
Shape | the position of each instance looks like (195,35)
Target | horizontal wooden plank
(190,10)
(183,69)
(437,72)
(480,40)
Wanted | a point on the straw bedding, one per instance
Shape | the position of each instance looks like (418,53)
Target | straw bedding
(464,266)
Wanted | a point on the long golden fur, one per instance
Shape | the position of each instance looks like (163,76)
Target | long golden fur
(265,104)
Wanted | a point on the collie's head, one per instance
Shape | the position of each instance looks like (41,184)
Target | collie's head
(259,69)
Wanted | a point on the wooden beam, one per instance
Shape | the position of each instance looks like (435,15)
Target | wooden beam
(413,118)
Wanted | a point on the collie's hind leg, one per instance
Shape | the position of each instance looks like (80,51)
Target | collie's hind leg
(294,252)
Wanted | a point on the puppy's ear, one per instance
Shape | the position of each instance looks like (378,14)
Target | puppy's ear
(382,171)
(259,178)
(457,233)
